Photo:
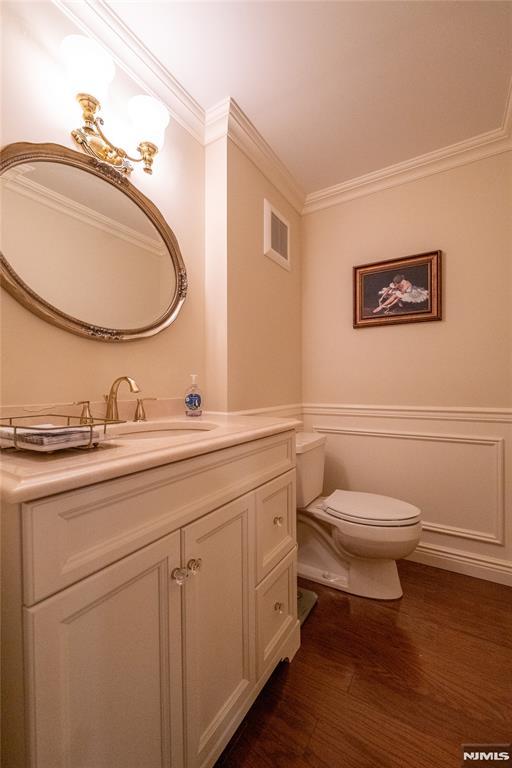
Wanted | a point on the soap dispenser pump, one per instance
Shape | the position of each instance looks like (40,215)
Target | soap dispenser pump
(193,398)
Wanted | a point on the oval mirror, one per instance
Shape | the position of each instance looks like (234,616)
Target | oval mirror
(83,248)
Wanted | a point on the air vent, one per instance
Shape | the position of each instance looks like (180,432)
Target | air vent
(276,236)
(279,236)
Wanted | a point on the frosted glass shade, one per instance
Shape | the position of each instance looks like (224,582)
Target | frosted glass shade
(149,118)
(89,68)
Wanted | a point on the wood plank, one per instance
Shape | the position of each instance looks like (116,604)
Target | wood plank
(388,683)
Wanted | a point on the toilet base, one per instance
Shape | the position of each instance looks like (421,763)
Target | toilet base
(320,560)
(379,585)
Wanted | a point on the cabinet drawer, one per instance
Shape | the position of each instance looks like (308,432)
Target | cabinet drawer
(72,535)
(275,522)
(276,610)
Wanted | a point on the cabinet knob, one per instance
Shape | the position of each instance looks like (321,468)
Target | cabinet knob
(278,521)
(194,565)
(278,607)
(180,575)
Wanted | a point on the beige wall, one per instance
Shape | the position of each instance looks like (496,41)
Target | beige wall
(409,405)
(264,300)
(240,327)
(41,363)
(421,411)
(216,272)
(464,360)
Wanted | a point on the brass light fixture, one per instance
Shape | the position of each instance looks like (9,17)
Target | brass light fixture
(90,70)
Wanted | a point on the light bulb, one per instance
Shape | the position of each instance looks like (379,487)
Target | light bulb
(89,68)
(149,118)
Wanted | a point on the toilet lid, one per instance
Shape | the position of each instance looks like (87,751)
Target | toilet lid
(370,509)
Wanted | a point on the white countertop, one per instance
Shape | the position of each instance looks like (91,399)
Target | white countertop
(27,475)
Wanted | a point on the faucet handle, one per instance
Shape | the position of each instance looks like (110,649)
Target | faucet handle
(140,413)
(86,415)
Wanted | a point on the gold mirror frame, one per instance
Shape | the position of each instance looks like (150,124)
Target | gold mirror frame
(24,152)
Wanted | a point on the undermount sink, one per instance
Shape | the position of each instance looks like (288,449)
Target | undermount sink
(164,431)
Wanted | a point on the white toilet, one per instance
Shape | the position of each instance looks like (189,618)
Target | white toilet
(350,540)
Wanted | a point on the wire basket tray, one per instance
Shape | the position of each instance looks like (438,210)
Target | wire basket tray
(21,433)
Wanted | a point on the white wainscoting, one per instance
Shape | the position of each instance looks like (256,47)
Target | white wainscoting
(453,463)
(419,472)
(292,410)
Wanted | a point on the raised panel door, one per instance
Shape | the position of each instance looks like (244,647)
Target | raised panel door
(104,667)
(218,626)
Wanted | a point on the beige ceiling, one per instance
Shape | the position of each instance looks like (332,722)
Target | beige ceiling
(339,89)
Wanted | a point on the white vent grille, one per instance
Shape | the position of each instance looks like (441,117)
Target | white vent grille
(279,236)
(276,236)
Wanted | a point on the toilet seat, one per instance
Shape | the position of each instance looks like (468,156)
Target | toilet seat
(370,509)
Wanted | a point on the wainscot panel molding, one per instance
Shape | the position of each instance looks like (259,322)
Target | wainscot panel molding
(279,411)
(431,413)
(496,505)
(454,462)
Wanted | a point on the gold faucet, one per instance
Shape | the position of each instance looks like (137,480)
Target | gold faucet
(112,411)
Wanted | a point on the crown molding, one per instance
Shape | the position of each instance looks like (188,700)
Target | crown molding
(216,122)
(468,151)
(243,133)
(228,119)
(96,19)
(18,183)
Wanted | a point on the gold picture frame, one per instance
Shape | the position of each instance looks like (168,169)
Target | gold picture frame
(396,291)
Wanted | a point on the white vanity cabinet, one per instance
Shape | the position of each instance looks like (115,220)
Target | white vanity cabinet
(155,608)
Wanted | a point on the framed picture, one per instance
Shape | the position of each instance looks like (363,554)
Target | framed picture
(398,290)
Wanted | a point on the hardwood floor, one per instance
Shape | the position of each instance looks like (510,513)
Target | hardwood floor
(399,684)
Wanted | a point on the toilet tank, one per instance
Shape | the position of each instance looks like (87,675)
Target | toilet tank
(310,447)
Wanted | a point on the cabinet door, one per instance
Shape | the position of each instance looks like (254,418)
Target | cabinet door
(218,626)
(104,667)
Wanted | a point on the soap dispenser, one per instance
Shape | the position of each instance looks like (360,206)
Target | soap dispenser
(193,398)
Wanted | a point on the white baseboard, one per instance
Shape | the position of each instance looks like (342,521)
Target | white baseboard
(488,568)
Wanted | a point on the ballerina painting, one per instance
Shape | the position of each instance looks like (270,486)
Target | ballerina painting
(398,291)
